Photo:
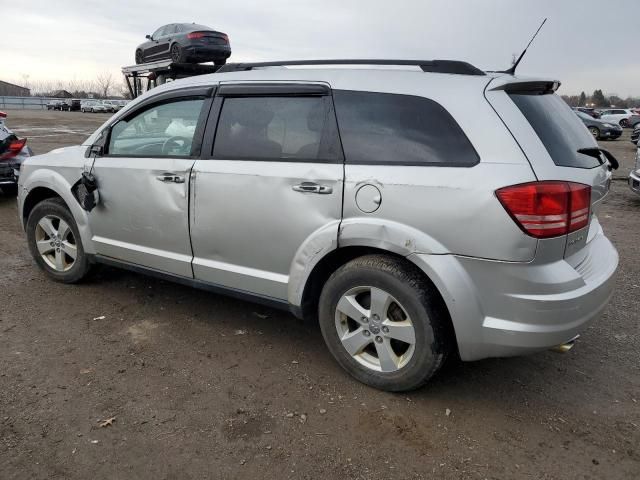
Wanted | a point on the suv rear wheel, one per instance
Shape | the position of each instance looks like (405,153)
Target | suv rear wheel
(54,242)
(383,323)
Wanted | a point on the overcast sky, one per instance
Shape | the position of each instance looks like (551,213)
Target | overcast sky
(587,44)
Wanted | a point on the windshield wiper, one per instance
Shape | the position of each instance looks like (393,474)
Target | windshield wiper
(595,152)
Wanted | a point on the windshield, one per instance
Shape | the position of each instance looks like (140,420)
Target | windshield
(558,128)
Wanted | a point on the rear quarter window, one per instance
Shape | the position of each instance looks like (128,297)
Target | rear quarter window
(392,129)
(558,128)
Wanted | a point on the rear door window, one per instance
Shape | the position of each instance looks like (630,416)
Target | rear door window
(391,129)
(558,128)
(277,128)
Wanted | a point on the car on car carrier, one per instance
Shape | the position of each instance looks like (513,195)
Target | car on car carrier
(366,198)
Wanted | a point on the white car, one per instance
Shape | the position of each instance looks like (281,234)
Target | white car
(619,116)
(93,106)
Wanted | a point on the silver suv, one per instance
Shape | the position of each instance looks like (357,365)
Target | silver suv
(369,199)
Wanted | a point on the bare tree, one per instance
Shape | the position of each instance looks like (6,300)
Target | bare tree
(104,82)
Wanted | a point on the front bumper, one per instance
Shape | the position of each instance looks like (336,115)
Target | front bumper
(634,182)
(611,133)
(502,309)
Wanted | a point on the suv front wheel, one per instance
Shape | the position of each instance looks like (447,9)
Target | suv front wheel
(54,242)
(384,323)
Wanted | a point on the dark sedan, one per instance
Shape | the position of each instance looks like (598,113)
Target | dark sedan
(185,43)
(599,129)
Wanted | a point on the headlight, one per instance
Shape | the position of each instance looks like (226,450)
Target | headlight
(608,125)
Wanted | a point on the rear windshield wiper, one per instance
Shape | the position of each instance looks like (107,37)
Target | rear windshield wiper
(595,152)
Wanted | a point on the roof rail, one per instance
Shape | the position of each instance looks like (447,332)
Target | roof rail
(434,66)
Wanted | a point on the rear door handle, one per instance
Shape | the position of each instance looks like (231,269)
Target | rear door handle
(170,178)
(312,187)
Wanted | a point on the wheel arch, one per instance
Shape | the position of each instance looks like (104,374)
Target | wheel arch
(55,186)
(338,257)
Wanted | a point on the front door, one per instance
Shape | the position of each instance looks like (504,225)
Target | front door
(274,179)
(143,183)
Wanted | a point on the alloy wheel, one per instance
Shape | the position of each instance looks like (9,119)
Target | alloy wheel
(375,329)
(595,132)
(56,243)
(175,53)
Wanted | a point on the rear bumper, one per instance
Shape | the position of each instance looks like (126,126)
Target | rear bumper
(634,182)
(208,51)
(503,309)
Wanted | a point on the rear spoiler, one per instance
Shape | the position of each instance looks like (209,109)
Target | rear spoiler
(524,85)
(596,152)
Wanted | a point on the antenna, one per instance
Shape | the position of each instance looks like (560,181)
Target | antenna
(512,70)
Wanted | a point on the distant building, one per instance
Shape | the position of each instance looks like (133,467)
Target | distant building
(9,89)
(61,94)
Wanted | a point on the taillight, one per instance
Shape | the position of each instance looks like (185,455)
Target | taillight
(14,148)
(548,208)
(3,115)
(194,35)
(225,37)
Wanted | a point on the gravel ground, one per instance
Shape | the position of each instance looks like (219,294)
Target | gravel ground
(193,385)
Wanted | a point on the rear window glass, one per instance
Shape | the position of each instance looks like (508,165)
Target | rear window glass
(558,128)
(383,128)
(277,128)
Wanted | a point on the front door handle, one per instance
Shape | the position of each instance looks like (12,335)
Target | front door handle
(170,178)
(312,187)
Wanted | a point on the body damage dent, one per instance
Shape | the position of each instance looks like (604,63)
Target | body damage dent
(387,235)
(314,249)
(54,181)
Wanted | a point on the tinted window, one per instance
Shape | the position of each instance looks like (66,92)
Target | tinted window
(165,130)
(277,128)
(157,33)
(399,129)
(558,128)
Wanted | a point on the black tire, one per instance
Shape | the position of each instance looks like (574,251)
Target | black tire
(417,296)
(57,207)
(624,123)
(595,131)
(139,57)
(219,61)
(177,54)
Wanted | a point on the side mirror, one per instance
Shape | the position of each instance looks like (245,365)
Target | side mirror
(148,37)
(96,150)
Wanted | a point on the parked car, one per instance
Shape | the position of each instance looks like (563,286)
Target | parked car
(599,129)
(620,116)
(108,105)
(372,200)
(13,151)
(634,176)
(589,111)
(93,106)
(74,104)
(185,43)
(635,135)
(57,105)
(113,105)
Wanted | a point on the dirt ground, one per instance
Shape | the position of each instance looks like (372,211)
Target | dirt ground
(203,386)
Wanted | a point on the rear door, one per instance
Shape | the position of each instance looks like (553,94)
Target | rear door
(274,178)
(142,216)
(551,135)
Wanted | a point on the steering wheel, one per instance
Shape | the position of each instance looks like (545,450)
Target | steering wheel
(176,142)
